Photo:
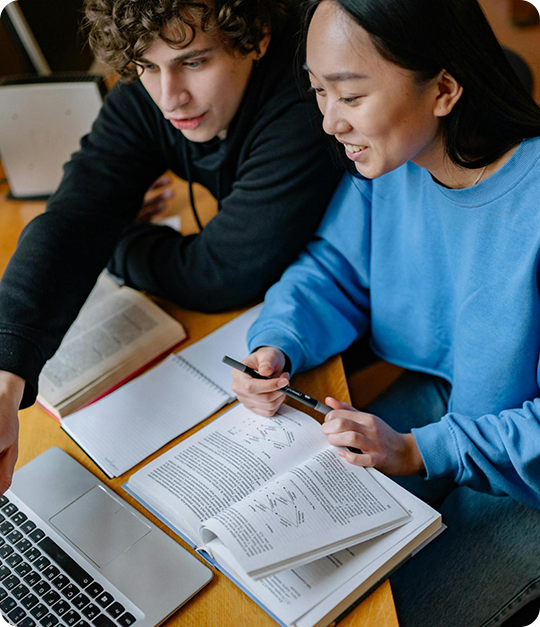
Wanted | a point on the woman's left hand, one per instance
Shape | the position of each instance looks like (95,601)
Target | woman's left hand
(395,454)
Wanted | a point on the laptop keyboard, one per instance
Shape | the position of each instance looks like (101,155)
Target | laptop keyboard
(41,585)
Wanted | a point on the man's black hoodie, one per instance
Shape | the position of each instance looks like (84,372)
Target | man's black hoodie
(272,177)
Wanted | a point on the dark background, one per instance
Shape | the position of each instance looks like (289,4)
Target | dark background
(56,27)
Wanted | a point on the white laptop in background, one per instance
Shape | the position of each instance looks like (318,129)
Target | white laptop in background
(73,553)
(42,120)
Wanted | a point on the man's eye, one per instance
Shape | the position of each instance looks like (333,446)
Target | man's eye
(193,65)
(150,68)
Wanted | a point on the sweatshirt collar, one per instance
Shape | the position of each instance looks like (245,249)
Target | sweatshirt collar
(500,182)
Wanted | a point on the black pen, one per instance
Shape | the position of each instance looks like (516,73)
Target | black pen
(288,390)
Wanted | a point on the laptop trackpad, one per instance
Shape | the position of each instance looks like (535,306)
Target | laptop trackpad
(99,526)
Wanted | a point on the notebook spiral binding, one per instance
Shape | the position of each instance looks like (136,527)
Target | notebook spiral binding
(184,363)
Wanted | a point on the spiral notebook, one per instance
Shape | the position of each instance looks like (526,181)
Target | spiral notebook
(131,423)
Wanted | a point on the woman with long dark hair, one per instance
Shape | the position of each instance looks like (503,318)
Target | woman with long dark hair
(432,250)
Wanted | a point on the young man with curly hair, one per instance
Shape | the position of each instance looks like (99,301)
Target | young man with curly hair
(208,91)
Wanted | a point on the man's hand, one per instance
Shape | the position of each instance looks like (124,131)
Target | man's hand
(155,202)
(11,391)
(262,397)
(395,454)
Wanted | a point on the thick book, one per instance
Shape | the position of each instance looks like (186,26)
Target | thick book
(117,334)
(271,504)
(123,428)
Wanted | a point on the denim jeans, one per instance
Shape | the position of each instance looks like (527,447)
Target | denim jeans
(486,565)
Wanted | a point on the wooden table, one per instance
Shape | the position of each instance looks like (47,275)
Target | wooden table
(220,604)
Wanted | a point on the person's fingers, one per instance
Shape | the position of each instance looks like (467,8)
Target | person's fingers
(157,199)
(151,209)
(346,429)
(270,397)
(266,413)
(244,384)
(269,366)
(261,408)
(149,212)
(162,181)
(365,460)
(267,361)
(335,404)
(262,396)
(350,439)
(265,400)
(344,421)
(264,408)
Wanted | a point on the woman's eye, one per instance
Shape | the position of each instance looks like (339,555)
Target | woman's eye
(350,100)
(317,90)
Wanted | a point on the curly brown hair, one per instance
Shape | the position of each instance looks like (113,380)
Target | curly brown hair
(120,31)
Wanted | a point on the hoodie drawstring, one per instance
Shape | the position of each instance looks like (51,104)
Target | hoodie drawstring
(190,184)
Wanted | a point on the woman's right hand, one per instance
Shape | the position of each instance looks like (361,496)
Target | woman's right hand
(262,397)
(11,391)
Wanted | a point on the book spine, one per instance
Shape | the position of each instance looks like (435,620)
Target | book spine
(55,416)
(138,371)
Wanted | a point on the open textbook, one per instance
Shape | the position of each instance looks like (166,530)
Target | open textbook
(118,332)
(126,426)
(272,505)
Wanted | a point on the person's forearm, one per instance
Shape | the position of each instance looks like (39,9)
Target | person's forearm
(11,387)
(494,453)
(69,245)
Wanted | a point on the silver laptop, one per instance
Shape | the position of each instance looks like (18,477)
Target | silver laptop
(42,120)
(73,553)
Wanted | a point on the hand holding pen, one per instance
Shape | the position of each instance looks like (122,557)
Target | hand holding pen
(261,392)
(364,439)
(264,395)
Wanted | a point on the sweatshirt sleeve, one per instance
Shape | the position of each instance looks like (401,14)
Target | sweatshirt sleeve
(61,252)
(284,182)
(497,454)
(321,304)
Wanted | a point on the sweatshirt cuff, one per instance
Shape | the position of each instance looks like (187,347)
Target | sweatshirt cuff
(438,448)
(277,339)
(23,358)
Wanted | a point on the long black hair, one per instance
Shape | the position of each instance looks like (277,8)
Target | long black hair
(495,111)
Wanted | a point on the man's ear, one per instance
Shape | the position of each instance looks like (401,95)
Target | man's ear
(448,92)
(264,42)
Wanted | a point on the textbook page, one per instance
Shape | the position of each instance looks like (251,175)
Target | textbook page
(389,552)
(318,507)
(102,336)
(309,592)
(131,423)
(223,462)
(230,339)
(104,286)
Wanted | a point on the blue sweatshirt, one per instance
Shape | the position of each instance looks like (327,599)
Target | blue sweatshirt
(446,282)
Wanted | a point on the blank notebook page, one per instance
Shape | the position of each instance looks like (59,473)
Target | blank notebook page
(126,426)
(230,339)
